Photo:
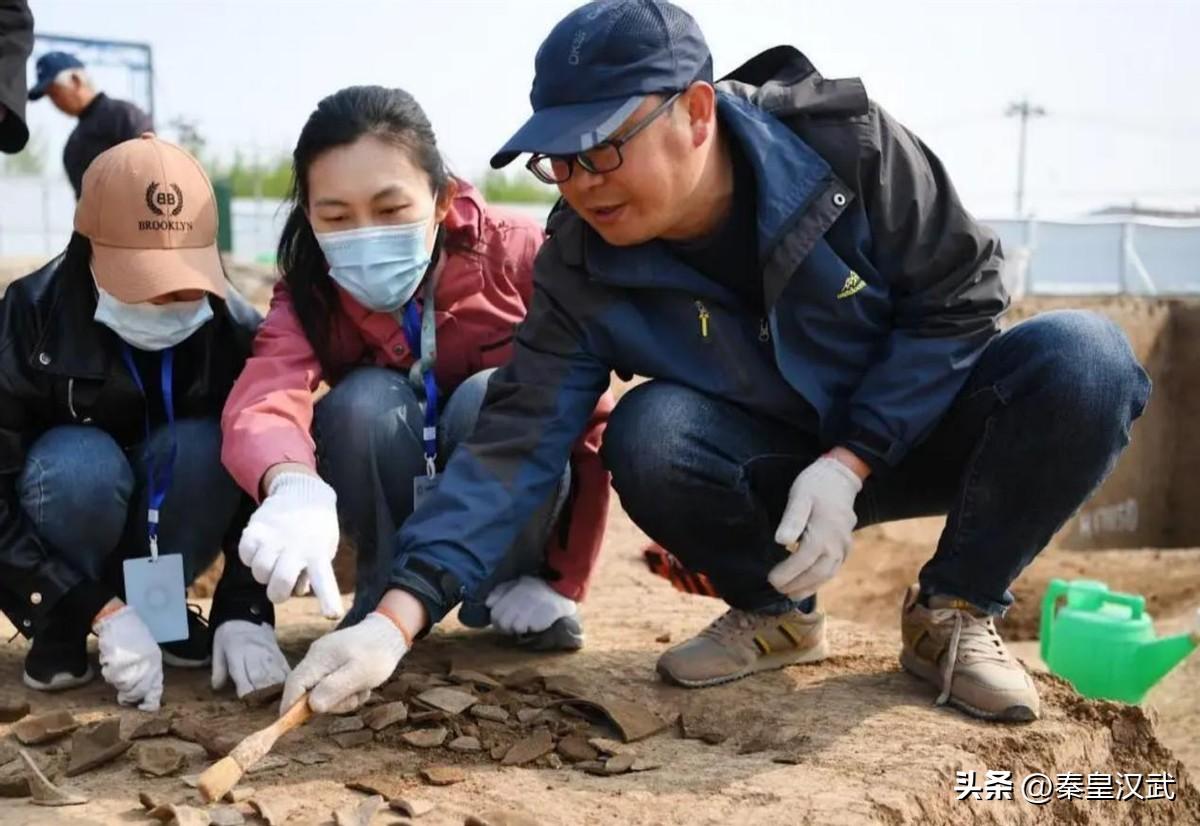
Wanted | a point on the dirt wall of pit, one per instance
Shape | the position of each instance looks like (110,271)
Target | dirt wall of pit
(1151,496)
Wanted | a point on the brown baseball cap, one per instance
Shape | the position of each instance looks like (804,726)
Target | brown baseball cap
(149,211)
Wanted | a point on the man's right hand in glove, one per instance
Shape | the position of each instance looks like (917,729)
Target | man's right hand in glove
(293,536)
(342,667)
(130,659)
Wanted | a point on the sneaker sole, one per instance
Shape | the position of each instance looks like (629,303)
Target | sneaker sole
(1011,714)
(60,682)
(770,662)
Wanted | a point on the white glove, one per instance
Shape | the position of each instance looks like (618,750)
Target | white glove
(130,659)
(294,534)
(528,604)
(249,653)
(342,667)
(820,514)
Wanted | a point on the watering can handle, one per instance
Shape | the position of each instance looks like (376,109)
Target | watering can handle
(1136,604)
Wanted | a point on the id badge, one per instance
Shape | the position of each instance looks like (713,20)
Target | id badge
(423,486)
(155,589)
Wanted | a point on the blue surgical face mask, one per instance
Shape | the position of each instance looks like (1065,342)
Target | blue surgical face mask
(149,326)
(380,266)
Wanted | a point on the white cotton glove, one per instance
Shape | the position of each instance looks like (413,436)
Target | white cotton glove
(130,659)
(527,605)
(342,667)
(249,653)
(292,538)
(820,514)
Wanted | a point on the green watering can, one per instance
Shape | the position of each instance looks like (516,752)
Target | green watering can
(1104,643)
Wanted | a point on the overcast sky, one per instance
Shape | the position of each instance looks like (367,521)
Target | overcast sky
(1117,78)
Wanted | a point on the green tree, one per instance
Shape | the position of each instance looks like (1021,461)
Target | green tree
(29,161)
(522,188)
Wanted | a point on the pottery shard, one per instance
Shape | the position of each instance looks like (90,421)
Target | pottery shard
(263,696)
(528,678)
(565,685)
(156,726)
(12,709)
(148,801)
(43,728)
(411,806)
(449,700)
(465,676)
(225,816)
(45,793)
(529,749)
(239,794)
(360,814)
(664,637)
(576,749)
(608,747)
(343,725)
(189,816)
(386,785)
(489,712)
(159,760)
(619,764)
(269,763)
(634,721)
(273,810)
(465,744)
(500,818)
(528,715)
(388,714)
(215,743)
(592,767)
(426,738)
(642,765)
(96,745)
(312,758)
(354,739)
(443,775)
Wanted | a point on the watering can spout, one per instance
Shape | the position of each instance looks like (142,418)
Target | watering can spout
(1155,659)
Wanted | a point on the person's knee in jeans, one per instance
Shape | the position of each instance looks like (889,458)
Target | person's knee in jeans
(76,488)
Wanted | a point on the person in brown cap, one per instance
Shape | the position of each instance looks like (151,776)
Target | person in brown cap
(115,361)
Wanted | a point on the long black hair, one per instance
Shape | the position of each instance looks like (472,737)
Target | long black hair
(340,119)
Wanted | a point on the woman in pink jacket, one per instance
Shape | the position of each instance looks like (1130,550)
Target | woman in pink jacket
(401,290)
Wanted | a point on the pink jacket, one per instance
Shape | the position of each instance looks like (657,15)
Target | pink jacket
(481,297)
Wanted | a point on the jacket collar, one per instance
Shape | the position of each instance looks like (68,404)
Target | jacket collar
(71,342)
(788,173)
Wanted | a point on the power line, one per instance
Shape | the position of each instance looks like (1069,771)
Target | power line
(1024,110)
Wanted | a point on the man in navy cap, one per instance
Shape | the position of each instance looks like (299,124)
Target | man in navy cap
(103,121)
(819,317)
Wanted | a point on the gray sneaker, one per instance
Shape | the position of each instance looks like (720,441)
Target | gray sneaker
(955,647)
(739,643)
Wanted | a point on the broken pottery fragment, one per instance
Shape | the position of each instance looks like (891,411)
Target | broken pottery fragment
(388,714)
(268,763)
(159,759)
(465,744)
(273,810)
(426,738)
(527,715)
(609,747)
(449,700)
(489,712)
(188,816)
(45,793)
(387,785)
(576,749)
(528,678)
(529,749)
(239,794)
(12,709)
(665,637)
(566,685)
(633,721)
(96,745)
(312,758)
(500,818)
(642,765)
(33,731)
(443,775)
(619,764)
(148,801)
(354,739)
(158,725)
(433,715)
(205,734)
(344,725)
(592,767)
(478,679)
(226,816)
(359,814)
(263,696)
(411,806)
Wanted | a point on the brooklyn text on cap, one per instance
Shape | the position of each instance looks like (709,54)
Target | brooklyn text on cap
(149,211)
(598,64)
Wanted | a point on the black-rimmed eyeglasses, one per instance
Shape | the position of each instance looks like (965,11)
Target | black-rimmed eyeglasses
(601,158)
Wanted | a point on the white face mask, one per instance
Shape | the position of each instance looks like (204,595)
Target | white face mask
(149,326)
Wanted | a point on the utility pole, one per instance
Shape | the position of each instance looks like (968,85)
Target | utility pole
(1025,110)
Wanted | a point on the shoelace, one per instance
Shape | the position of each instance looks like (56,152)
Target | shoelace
(731,620)
(979,642)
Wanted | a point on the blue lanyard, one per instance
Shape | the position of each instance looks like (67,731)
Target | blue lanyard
(420,330)
(158,475)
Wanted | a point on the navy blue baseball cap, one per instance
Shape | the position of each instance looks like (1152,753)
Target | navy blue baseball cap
(49,66)
(597,65)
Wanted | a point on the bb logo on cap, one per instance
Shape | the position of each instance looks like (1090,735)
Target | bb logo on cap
(157,200)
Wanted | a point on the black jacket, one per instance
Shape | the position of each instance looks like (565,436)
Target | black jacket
(102,125)
(58,366)
(16,42)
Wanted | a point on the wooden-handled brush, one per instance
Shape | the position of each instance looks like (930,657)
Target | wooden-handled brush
(223,775)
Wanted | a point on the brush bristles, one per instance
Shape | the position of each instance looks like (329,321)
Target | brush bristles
(219,778)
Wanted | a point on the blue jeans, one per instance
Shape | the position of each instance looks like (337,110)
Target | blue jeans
(369,449)
(1039,424)
(88,498)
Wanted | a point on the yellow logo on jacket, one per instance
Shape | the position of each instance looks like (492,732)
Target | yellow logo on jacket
(853,284)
